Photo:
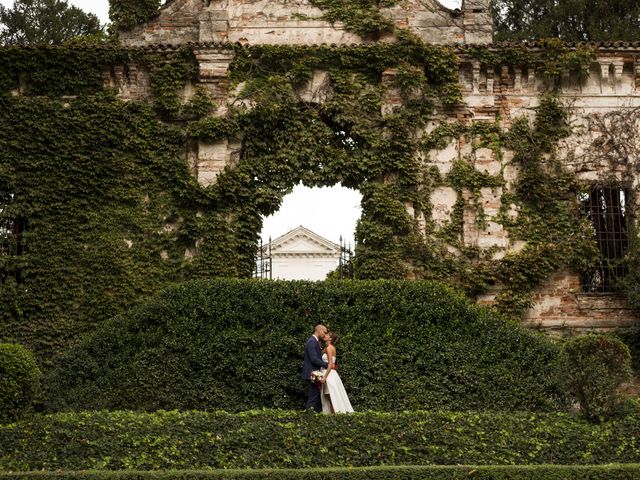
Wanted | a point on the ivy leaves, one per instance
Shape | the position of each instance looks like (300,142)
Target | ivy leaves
(126,14)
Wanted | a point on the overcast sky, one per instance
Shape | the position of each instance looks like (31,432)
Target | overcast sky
(330,212)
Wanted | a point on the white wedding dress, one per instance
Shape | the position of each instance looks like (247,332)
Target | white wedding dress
(334,396)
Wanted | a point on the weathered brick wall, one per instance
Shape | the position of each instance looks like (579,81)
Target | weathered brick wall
(610,91)
(280,22)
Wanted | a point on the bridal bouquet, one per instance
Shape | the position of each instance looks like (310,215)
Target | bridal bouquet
(316,376)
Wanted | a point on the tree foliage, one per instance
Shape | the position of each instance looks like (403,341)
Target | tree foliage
(44,21)
(570,20)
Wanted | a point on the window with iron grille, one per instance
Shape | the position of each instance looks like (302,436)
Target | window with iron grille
(11,241)
(606,208)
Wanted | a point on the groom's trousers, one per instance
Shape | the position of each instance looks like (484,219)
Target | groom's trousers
(313,397)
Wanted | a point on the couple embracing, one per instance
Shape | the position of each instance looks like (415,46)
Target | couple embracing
(325,392)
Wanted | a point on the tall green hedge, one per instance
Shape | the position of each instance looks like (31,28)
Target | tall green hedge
(463,472)
(285,439)
(237,345)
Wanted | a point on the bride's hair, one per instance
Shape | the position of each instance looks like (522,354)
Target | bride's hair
(334,337)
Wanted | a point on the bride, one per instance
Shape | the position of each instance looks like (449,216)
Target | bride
(333,395)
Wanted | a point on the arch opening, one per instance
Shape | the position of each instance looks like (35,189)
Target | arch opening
(311,235)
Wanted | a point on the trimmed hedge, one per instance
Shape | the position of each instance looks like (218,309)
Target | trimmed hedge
(19,380)
(631,336)
(282,439)
(462,472)
(237,345)
(595,366)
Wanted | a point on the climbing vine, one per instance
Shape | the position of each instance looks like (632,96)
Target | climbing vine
(126,14)
(540,209)
(116,174)
(345,139)
(360,16)
(614,133)
(551,57)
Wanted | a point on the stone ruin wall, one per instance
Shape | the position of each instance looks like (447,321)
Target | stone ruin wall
(281,22)
(611,88)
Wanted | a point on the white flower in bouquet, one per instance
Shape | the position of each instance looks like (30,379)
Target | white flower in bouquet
(316,376)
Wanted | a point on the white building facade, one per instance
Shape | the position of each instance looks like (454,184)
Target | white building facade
(303,255)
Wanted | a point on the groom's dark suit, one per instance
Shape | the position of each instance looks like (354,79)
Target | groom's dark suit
(312,361)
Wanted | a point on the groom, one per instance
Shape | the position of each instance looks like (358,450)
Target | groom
(313,361)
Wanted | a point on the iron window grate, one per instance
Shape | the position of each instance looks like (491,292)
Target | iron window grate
(606,208)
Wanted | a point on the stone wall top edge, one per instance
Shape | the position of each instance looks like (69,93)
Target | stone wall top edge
(601,47)
(605,47)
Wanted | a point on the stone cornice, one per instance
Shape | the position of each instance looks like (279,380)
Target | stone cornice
(605,46)
(328,256)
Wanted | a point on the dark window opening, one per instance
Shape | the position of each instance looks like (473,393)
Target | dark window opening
(11,241)
(606,208)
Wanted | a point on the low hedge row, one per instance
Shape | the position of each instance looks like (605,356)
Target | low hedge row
(237,345)
(538,472)
(284,439)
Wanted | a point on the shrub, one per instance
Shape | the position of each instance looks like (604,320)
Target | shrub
(286,439)
(594,368)
(19,380)
(237,345)
(537,472)
(631,337)
(126,14)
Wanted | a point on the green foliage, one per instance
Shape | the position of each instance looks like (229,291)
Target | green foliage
(594,366)
(134,181)
(631,284)
(360,16)
(557,59)
(29,22)
(631,337)
(569,20)
(546,195)
(544,198)
(413,472)
(236,345)
(57,71)
(126,14)
(111,208)
(283,139)
(19,381)
(284,439)
(168,79)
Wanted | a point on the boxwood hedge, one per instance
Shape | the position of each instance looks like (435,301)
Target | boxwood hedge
(544,472)
(237,345)
(285,439)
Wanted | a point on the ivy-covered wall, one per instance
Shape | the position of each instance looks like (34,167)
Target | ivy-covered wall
(140,22)
(111,210)
(102,149)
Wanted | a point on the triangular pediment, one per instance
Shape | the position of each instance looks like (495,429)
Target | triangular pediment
(301,240)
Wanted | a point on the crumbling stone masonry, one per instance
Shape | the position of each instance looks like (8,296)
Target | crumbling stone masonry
(611,90)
